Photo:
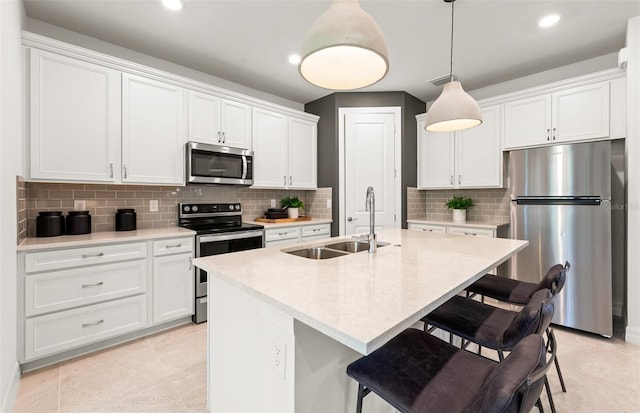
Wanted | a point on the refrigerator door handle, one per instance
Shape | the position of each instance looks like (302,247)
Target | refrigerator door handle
(578,200)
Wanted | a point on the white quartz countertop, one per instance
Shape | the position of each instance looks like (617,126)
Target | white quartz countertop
(362,300)
(475,224)
(313,221)
(68,241)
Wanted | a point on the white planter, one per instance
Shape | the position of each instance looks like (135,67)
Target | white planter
(293,212)
(460,215)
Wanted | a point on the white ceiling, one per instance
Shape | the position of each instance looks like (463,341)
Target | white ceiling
(248,41)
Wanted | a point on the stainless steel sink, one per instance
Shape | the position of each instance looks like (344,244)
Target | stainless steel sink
(353,246)
(318,253)
(333,250)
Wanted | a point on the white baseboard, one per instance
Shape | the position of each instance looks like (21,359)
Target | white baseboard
(9,398)
(632,335)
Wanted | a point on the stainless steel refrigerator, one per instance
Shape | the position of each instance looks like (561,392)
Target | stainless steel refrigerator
(561,204)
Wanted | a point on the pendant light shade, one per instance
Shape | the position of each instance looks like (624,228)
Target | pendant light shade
(344,49)
(454,109)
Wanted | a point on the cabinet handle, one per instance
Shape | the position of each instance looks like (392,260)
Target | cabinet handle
(111,170)
(224,137)
(95,323)
(92,285)
(285,180)
(219,137)
(174,246)
(280,234)
(290,180)
(470,233)
(554,134)
(451,179)
(190,263)
(126,174)
(428,230)
(548,133)
(459,179)
(85,256)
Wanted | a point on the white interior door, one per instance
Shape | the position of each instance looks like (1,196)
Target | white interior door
(370,160)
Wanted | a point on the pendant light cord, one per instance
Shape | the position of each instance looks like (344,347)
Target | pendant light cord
(451,54)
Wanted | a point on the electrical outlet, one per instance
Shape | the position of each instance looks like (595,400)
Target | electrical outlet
(279,357)
(153,205)
(328,203)
(79,205)
(273,203)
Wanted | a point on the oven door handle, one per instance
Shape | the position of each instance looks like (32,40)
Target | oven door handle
(236,235)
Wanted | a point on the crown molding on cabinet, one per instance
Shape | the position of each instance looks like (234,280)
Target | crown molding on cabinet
(66,49)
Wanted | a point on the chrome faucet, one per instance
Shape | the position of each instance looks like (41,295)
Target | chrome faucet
(370,205)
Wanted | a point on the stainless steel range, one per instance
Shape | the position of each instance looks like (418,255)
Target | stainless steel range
(219,230)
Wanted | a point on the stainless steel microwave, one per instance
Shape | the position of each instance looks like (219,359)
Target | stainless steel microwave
(218,164)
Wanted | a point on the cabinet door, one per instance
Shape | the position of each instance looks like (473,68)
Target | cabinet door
(427,228)
(270,149)
(153,132)
(479,152)
(236,124)
(527,122)
(204,118)
(173,288)
(435,159)
(75,119)
(302,154)
(581,113)
(472,231)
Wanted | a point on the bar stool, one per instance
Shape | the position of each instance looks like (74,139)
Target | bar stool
(493,327)
(417,372)
(519,292)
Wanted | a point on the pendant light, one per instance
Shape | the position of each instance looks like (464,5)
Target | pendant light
(344,49)
(454,109)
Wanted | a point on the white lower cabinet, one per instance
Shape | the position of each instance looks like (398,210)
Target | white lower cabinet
(470,230)
(74,297)
(173,285)
(295,234)
(428,228)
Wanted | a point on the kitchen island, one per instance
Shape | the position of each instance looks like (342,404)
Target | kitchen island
(283,328)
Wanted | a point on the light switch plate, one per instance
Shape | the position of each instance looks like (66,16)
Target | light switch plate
(273,203)
(79,205)
(328,203)
(153,205)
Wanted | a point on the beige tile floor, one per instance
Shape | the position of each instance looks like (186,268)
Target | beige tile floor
(167,373)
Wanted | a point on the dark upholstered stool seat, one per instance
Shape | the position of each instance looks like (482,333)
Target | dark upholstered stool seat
(515,291)
(417,372)
(489,326)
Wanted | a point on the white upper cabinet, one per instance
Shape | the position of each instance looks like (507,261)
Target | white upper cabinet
(74,119)
(285,151)
(471,158)
(153,131)
(219,121)
(303,158)
(568,115)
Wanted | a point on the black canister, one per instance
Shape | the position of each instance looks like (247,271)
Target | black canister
(78,222)
(49,224)
(126,219)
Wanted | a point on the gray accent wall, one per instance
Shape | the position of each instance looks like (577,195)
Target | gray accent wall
(327,108)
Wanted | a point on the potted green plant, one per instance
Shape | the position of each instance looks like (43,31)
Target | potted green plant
(292,205)
(459,204)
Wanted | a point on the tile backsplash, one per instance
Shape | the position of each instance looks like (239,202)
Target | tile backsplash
(102,201)
(490,205)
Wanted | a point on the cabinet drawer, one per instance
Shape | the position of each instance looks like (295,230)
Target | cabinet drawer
(427,228)
(279,234)
(73,328)
(61,290)
(172,246)
(316,230)
(76,257)
(482,232)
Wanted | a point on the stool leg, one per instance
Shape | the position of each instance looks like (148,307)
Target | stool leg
(564,388)
(551,404)
(539,405)
(361,395)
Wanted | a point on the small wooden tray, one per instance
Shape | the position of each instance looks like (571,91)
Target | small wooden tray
(281,220)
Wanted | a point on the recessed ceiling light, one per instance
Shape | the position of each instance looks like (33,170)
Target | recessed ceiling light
(172,4)
(294,59)
(549,20)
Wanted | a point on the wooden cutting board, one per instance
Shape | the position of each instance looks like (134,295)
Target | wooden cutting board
(281,220)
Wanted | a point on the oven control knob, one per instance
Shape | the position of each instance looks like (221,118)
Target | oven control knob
(186,208)
(194,208)
(230,207)
(237,207)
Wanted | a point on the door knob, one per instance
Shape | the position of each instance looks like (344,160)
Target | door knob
(351,219)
